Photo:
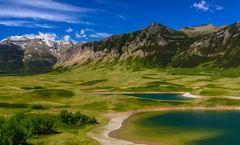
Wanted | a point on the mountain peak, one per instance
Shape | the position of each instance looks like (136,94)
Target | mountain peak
(156,27)
(155,24)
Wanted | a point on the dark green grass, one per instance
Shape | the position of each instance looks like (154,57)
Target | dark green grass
(94,82)
(21,105)
(50,93)
(107,87)
(37,107)
(215,101)
(150,78)
(213,92)
(13,105)
(32,88)
(208,70)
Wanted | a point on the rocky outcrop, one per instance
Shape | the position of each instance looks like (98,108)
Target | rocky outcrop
(221,46)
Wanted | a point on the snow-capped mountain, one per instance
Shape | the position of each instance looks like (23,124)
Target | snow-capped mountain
(34,52)
(155,44)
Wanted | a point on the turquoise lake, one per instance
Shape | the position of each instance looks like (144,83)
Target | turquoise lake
(182,128)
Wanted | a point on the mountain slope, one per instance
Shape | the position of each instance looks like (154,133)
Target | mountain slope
(222,46)
(156,44)
(163,46)
(11,57)
(30,54)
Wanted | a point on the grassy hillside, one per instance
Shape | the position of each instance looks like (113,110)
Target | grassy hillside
(75,90)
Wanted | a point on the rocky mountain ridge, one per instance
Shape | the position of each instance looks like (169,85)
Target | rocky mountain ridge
(166,47)
(156,43)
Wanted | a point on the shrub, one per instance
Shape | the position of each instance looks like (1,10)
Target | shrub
(76,118)
(39,125)
(32,88)
(37,107)
(47,93)
(13,105)
(91,83)
(38,87)
(17,129)
(12,132)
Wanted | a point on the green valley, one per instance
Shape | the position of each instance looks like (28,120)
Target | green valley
(77,90)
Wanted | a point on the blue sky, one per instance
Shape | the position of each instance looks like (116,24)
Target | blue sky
(87,20)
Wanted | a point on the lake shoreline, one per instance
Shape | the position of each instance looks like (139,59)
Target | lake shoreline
(184,94)
(103,134)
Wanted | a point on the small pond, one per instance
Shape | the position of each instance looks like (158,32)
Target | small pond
(154,96)
(160,96)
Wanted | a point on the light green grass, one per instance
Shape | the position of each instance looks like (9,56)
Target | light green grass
(75,90)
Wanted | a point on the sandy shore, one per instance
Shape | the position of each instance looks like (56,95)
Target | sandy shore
(232,97)
(101,134)
(189,95)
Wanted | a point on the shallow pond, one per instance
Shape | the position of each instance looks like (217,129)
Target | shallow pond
(160,96)
(182,128)
(154,96)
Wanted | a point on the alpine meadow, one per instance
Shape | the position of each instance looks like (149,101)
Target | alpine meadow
(111,72)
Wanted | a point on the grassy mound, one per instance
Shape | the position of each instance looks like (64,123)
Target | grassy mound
(51,93)
(91,83)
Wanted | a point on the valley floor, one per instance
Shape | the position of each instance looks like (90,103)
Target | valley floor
(75,90)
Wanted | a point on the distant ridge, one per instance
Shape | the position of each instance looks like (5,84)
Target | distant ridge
(156,44)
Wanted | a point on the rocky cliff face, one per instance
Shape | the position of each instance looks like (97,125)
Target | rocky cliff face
(156,43)
(221,45)
(163,46)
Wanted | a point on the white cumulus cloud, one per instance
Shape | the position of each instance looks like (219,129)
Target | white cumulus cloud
(82,31)
(69,30)
(90,33)
(202,5)
(205,6)
(67,38)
